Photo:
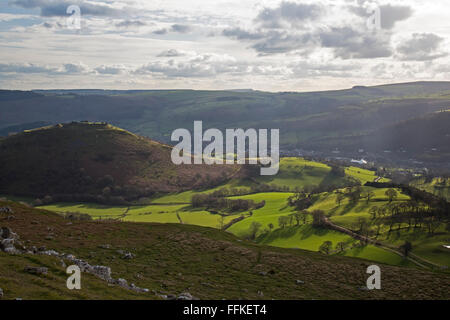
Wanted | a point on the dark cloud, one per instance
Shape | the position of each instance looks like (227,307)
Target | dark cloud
(290,12)
(389,14)
(274,36)
(160,31)
(421,47)
(171,53)
(180,28)
(74,68)
(26,68)
(346,42)
(281,42)
(271,41)
(111,70)
(130,24)
(51,8)
(349,43)
(240,34)
(29,68)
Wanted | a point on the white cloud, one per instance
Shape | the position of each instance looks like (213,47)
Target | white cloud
(267,45)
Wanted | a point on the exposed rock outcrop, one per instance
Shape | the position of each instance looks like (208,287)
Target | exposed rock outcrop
(36,270)
(7,210)
(9,240)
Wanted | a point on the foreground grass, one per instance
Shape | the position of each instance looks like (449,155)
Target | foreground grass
(210,264)
(305,237)
(295,173)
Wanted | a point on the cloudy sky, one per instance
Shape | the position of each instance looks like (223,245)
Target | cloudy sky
(266,45)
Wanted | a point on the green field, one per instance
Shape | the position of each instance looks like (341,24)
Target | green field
(169,213)
(295,173)
(363,175)
(97,211)
(169,258)
(300,173)
(438,186)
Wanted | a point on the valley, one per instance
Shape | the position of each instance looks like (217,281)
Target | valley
(114,198)
(295,174)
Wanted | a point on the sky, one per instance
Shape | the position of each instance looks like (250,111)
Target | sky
(267,45)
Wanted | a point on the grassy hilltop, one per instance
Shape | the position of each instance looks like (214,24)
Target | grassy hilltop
(85,160)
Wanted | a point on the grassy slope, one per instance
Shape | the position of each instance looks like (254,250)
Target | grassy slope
(438,186)
(164,213)
(347,214)
(207,263)
(72,158)
(295,172)
(305,236)
(363,175)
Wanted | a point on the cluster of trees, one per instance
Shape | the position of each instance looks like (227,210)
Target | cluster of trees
(294,219)
(327,247)
(357,193)
(105,190)
(299,218)
(337,171)
(411,213)
(212,201)
(205,181)
(422,210)
(300,200)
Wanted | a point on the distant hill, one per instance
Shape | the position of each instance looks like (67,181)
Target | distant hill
(22,127)
(96,161)
(426,138)
(316,121)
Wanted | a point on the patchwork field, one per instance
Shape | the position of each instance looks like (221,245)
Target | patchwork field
(295,173)
(174,258)
(438,186)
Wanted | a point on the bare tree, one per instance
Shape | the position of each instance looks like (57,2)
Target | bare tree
(283,221)
(254,228)
(368,194)
(326,247)
(406,248)
(341,246)
(373,211)
(318,218)
(339,198)
(391,194)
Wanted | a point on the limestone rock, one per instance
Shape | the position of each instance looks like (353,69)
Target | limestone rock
(7,210)
(36,270)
